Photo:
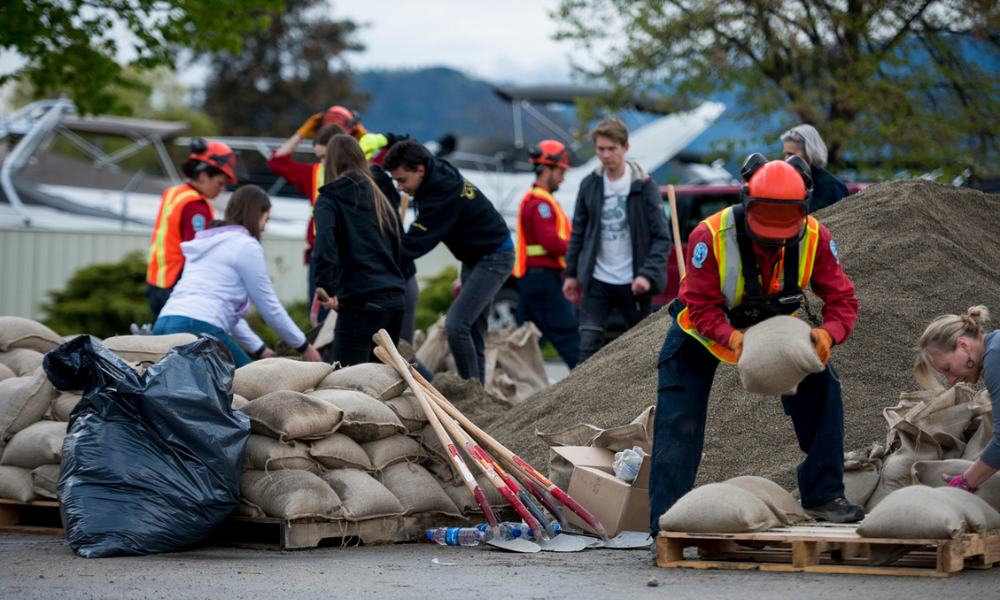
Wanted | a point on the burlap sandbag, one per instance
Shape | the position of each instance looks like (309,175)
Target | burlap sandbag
(379,381)
(239,402)
(428,437)
(466,501)
(394,449)
(362,495)
(146,348)
(365,418)
(895,473)
(930,473)
(515,368)
(719,508)
(777,355)
(21,361)
(781,503)
(434,352)
(337,451)
(18,332)
(249,509)
(417,490)
(268,454)
(6,372)
(859,483)
(980,438)
(44,480)
(35,445)
(23,402)
(915,512)
(262,377)
(290,494)
(292,416)
(407,408)
(15,484)
(979,516)
(441,469)
(64,404)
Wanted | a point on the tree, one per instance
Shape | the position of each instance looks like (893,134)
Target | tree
(889,84)
(284,73)
(77,44)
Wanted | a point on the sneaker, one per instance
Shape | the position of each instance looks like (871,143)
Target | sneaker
(838,510)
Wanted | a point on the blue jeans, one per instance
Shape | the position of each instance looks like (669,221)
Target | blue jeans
(541,301)
(177,324)
(686,371)
(467,321)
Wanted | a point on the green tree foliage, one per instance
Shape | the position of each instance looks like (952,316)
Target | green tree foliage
(435,297)
(888,83)
(284,73)
(102,299)
(80,44)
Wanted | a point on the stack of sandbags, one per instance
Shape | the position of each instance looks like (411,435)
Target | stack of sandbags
(29,465)
(931,426)
(739,505)
(921,512)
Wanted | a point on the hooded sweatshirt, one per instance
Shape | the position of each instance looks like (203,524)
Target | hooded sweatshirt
(224,269)
(353,258)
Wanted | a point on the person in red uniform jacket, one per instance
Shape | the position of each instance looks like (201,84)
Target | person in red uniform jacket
(767,238)
(184,211)
(542,238)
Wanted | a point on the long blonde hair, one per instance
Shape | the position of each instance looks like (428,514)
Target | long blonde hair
(941,337)
(344,155)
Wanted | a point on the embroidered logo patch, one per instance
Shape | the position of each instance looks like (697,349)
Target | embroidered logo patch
(700,254)
(544,211)
(833,250)
(198,222)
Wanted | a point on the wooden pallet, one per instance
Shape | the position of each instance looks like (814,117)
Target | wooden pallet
(829,548)
(33,517)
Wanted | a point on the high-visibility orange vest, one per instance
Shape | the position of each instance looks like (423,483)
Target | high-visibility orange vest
(524,250)
(318,180)
(165,257)
(727,250)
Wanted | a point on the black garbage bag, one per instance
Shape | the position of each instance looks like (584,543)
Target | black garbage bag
(151,462)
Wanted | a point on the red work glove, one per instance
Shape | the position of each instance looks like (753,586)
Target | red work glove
(310,127)
(823,341)
(736,343)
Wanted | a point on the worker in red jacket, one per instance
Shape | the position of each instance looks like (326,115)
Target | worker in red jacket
(542,238)
(748,263)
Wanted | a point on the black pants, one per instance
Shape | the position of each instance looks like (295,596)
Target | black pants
(595,308)
(157,297)
(541,301)
(358,320)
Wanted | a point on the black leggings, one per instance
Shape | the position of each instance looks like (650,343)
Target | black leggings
(358,321)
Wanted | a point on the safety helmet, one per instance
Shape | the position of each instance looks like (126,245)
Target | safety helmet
(776,199)
(550,153)
(214,154)
(343,117)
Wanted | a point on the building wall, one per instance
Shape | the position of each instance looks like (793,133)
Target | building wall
(35,261)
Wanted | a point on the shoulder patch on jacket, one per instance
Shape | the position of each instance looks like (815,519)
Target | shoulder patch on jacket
(833,250)
(699,255)
(198,222)
(544,211)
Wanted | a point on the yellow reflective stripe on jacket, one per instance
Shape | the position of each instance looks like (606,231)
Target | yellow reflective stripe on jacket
(536,250)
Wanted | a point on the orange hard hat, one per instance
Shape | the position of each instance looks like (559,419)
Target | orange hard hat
(549,152)
(215,154)
(776,199)
(343,117)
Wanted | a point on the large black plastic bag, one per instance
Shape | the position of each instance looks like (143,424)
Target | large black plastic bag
(151,462)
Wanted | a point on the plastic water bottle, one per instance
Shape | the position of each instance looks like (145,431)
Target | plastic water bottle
(455,536)
(510,531)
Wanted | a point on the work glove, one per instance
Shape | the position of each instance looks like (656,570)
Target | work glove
(959,481)
(736,343)
(823,341)
(392,138)
(311,126)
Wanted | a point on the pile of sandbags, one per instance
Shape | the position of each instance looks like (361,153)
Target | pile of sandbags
(514,365)
(930,433)
(738,505)
(921,512)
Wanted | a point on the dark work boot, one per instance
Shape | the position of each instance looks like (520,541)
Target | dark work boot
(838,510)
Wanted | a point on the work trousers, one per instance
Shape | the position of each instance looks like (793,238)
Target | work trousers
(358,320)
(467,321)
(541,301)
(595,308)
(686,371)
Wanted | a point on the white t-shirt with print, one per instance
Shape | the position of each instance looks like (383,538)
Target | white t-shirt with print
(614,254)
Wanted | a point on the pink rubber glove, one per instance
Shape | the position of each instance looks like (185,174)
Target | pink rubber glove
(959,482)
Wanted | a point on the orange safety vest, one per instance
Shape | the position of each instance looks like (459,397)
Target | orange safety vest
(727,250)
(165,257)
(563,229)
(318,180)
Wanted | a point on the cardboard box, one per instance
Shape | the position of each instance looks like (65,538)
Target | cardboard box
(619,506)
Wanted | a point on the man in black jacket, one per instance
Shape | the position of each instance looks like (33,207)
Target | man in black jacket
(453,211)
(618,250)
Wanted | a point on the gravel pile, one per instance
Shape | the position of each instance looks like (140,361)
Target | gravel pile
(914,249)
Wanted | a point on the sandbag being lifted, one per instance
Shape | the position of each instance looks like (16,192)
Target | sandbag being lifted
(777,355)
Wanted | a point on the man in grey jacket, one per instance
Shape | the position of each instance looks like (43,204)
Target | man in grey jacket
(618,250)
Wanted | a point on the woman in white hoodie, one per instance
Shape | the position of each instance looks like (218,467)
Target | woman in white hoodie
(224,269)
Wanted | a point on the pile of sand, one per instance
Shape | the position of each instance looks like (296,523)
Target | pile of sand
(914,250)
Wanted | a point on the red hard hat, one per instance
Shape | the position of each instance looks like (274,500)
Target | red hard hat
(776,199)
(215,154)
(341,116)
(549,152)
